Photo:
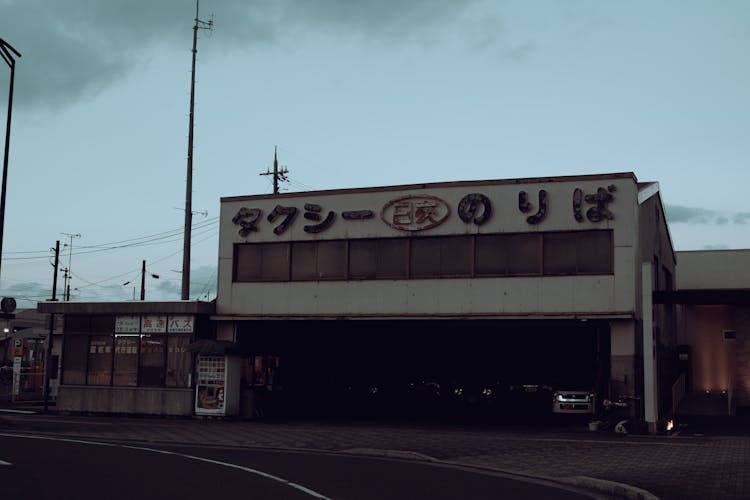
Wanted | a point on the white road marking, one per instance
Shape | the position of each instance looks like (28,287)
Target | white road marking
(256,472)
(24,412)
(3,462)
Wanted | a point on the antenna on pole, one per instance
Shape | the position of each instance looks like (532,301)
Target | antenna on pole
(206,25)
(278,175)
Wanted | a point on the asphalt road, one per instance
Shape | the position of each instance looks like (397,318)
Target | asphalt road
(61,469)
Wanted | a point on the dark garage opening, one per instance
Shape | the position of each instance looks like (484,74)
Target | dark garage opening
(427,369)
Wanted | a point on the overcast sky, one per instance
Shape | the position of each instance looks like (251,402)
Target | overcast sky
(355,93)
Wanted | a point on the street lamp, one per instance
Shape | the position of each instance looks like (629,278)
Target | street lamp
(143,280)
(7,52)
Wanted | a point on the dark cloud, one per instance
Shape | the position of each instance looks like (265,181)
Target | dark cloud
(202,285)
(692,215)
(689,215)
(73,49)
(28,294)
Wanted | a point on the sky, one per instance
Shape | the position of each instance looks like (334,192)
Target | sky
(355,94)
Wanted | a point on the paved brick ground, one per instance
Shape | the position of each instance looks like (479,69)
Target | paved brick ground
(674,467)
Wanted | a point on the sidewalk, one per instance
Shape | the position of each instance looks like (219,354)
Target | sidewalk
(675,467)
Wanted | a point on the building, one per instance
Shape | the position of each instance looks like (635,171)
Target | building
(713,315)
(129,357)
(543,282)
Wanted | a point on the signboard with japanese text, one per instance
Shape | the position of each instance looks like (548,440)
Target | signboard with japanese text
(527,205)
(153,324)
(181,324)
(127,324)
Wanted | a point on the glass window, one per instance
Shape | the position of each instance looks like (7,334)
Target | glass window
(445,256)
(595,252)
(319,260)
(152,358)
(304,260)
(524,252)
(261,262)
(126,360)
(384,258)
(75,352)
(425,258)
(102,324)
(179,361)
(100,361)
(560,253)
(392,258)
(332,260)
(455,255)
(363,259)
(77,324)
(491,257)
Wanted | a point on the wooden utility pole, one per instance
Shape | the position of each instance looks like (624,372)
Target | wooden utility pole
(50,337)
(278,175)
(189,179)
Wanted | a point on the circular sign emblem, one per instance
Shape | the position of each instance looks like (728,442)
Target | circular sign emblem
(415,213)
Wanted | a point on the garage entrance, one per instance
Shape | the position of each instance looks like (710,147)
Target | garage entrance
(431,369)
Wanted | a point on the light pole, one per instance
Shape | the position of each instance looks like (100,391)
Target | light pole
(143,280)
(68,275)
(7,52)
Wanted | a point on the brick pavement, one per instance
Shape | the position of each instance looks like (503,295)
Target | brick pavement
(675,467)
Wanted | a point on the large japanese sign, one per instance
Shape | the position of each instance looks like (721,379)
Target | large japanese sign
(498,207)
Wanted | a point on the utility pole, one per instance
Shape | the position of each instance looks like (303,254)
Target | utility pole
(189,179)
(7,53)
(50,337)
(143,281)
(68,276)
(278,175)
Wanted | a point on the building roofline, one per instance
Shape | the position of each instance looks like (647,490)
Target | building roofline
(433,185)
(131,307)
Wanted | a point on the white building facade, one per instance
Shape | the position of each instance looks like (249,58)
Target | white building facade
(545,280)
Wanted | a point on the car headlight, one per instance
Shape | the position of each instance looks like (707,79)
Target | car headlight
(458,391)
(487,392)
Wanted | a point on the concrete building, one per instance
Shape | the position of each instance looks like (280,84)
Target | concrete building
(543,282)
(713,313)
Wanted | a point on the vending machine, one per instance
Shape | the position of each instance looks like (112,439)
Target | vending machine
(217,385)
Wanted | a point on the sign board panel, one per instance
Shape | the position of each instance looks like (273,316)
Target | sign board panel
(127,324)
(181,324)
(154,324)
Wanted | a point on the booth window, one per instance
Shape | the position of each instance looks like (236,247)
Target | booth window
(152,359)
(100,361)
(126,360)
(179,361)
(75,352)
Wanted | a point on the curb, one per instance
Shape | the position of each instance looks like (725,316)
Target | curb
(612,488)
